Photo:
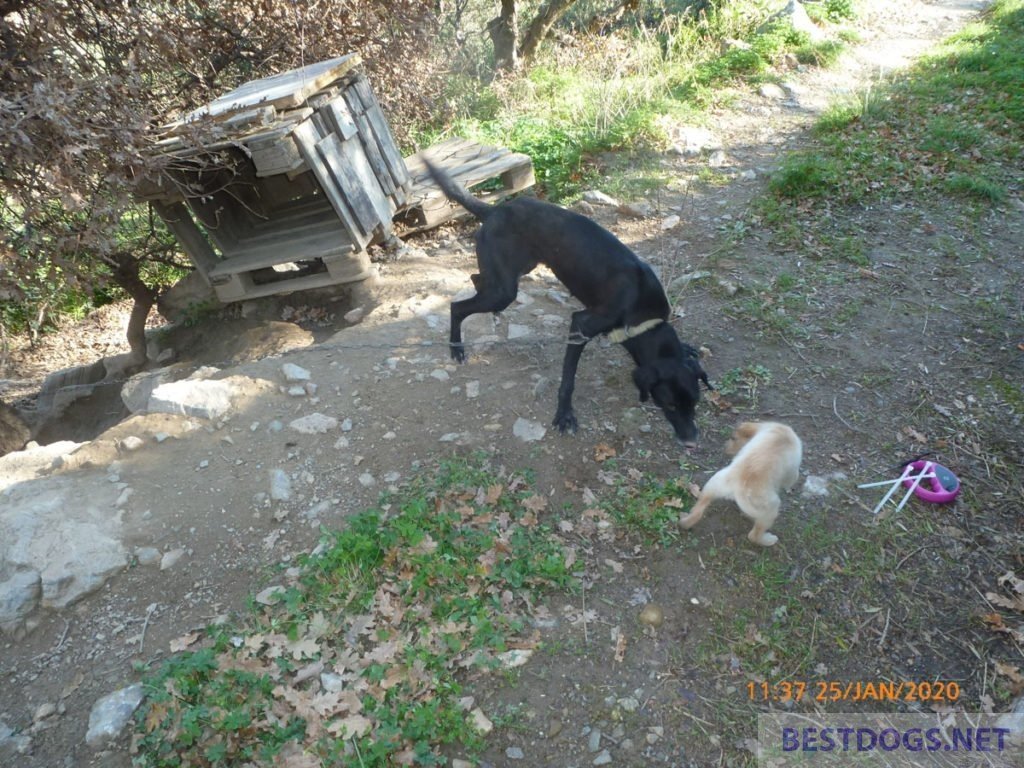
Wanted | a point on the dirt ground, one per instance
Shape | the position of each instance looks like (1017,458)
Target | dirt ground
(919,351)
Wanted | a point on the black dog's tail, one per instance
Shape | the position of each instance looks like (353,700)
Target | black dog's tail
(448,185)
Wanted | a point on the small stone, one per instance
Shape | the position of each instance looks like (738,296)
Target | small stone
(717,159)
(629,704)
(449,437)
(346,425)
(597,197)
(44,711)
(280,485)
(603,759)
(314,424)
(169,559)
(554,728)
(636,210)
(354,315)
(517,331)
(296,390)
(514,658)
(111,714)
(271,595)
(669,222)
(295,373)
(514,753)
(440,374)
(161,436)
(147,555)
(367,480)
(472,389)
(652,615)
(772,91)
(528,431)
(131,443)
(481,722)
(594,740)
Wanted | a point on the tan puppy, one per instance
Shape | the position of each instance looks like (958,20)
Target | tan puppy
(767,460)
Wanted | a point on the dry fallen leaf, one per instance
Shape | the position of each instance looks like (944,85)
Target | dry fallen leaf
(620,647)
(183,642)
(603,452)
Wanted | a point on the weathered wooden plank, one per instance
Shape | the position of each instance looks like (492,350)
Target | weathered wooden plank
(381,130)
(287,246)
(282,91)
(306,137)
(348,182)
(352,151)
(366,138)
(341,119)
(179,220)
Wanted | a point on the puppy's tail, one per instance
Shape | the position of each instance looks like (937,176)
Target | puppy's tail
(450,187)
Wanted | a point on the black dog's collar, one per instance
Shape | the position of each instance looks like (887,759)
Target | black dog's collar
(619,335)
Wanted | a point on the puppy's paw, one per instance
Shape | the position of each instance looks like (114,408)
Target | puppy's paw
(766,540)
(686,522)
(458,352)
(566,422)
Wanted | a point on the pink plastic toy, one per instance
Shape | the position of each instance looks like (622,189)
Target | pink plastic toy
(943,485)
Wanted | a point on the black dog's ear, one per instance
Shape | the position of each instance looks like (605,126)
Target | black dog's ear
(645,377)
(704,377)
(692,355)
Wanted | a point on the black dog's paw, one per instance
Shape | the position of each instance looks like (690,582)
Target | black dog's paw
(566,422)
(458,352)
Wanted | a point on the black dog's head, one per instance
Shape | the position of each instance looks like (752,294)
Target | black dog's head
(673,383)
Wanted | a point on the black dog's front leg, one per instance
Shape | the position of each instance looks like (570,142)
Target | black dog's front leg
(565,418)
(584,326)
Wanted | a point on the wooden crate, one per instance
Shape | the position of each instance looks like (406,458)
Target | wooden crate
(283,183)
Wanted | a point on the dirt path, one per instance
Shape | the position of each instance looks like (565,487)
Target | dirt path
(851,390)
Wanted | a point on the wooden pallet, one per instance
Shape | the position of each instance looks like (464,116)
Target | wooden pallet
(470,164)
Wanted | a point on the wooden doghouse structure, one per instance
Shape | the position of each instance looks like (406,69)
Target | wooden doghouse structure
(283,183)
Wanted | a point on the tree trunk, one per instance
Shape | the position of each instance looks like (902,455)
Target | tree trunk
(126,275)
(546,18)
(504,33)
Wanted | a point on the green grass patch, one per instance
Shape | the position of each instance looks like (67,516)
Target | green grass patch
(621,91)
(435,580)
(951,126)
(649,507)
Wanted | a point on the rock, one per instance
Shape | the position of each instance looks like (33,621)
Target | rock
(514,753)
(594,740)
(1013,720)
(314,424)
(596,197)
(271,595)
(200,398)
(554,728)
(514,658)
(732,44)
(170,559)
(584,207)
(61,528)
(796,15)
(692,140)
(43,711)
(367,480)
(480,722)
(295,373)
(748,175)
(472,389)
(353,316)
(440,374)
(528,431)
(669,222)
(135,392)
(14,433)
(111,714)
(636,210)
(717,159)
(772,91)
(280,485)
(130,443)
(603,759)
(516,331)
(19,596)
(147,555)
(12,744)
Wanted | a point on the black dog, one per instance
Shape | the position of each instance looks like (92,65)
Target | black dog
(623,298)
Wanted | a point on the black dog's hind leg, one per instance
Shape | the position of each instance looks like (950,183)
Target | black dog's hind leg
(584,326)
(489,298)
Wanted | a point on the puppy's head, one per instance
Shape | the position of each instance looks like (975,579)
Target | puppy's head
(741,436)
(673,383)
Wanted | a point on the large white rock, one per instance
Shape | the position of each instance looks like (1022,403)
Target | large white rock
(199,398)
(111,714)
(64,529)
